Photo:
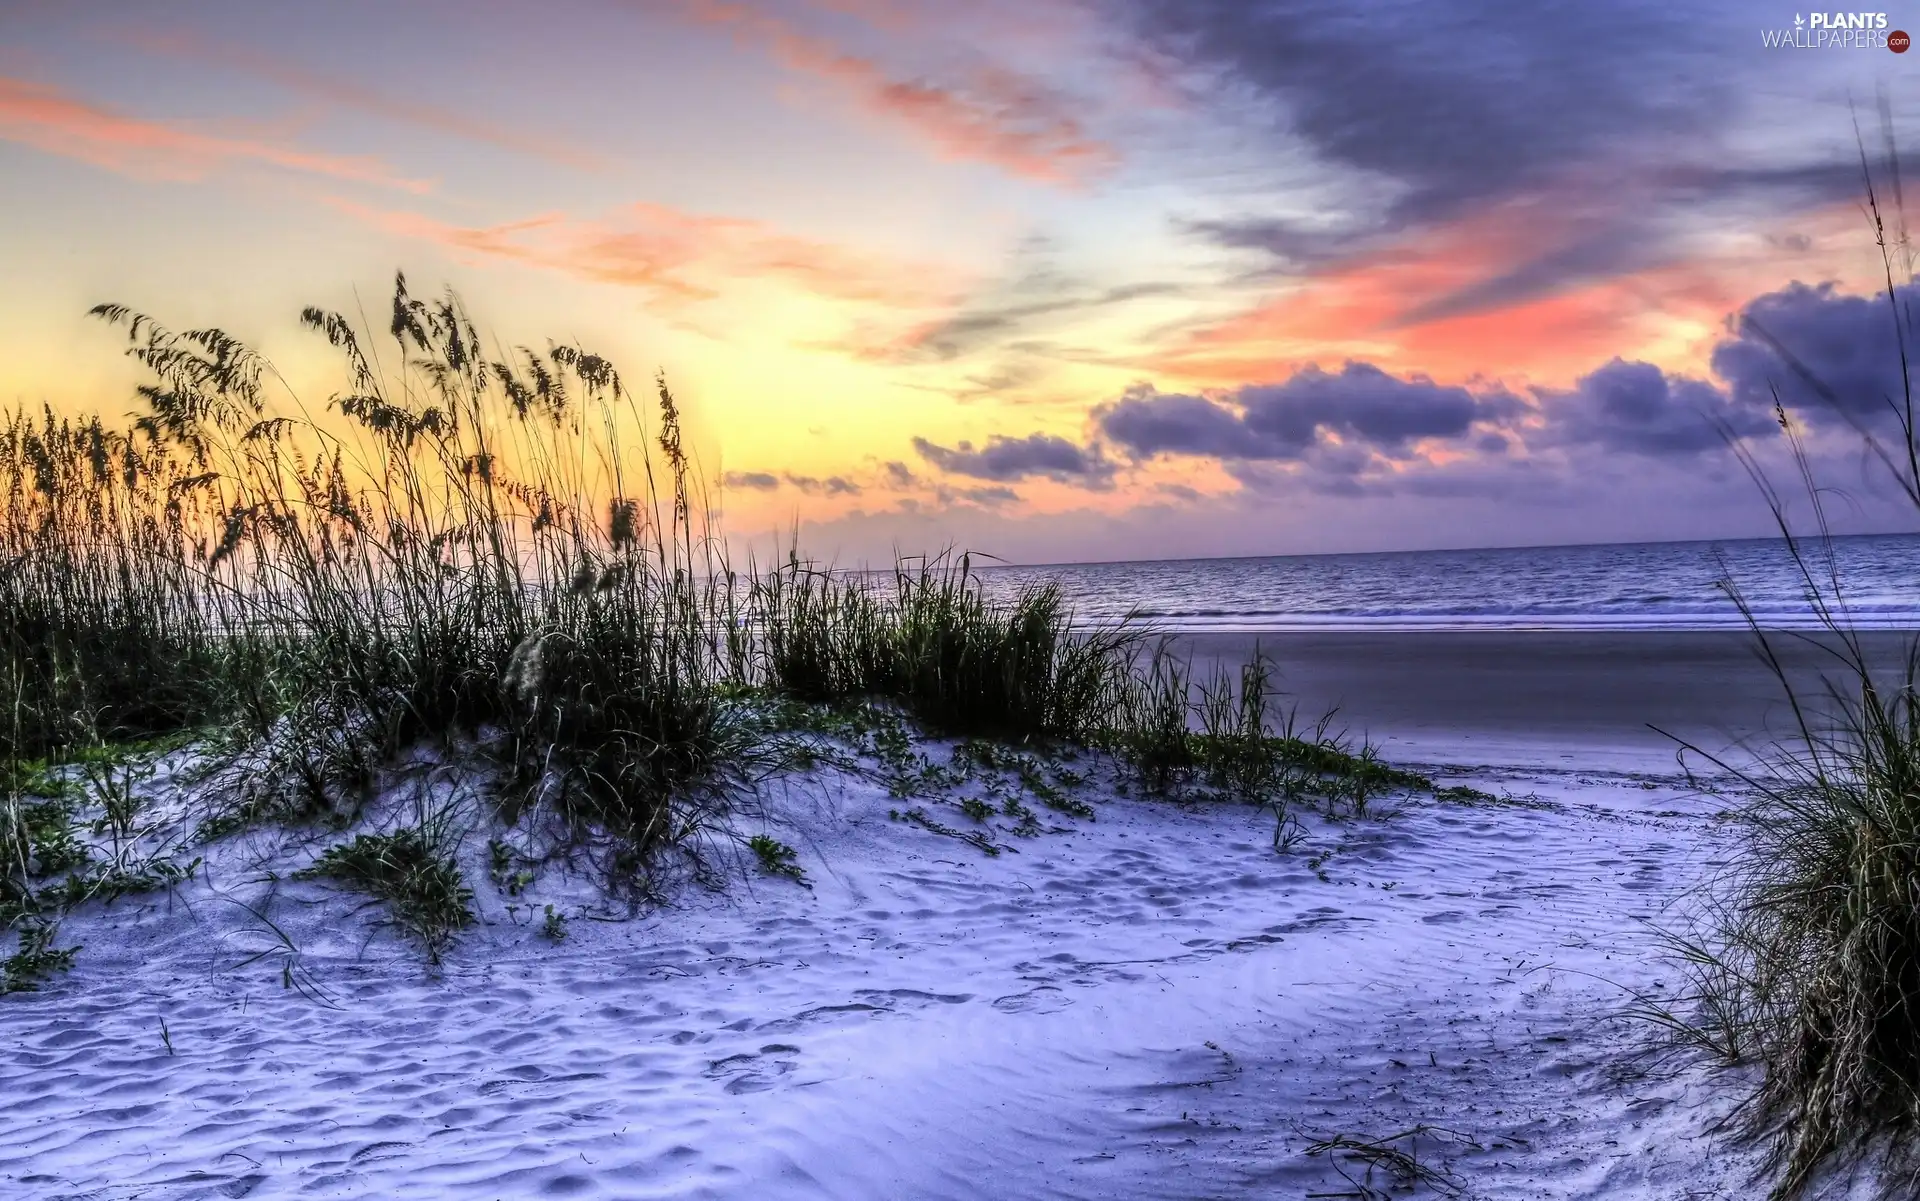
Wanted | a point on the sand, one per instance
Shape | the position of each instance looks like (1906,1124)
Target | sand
(1147,1003)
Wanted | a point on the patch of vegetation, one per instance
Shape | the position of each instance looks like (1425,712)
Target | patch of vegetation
(505,556)
(931,639)
(420,885)
(1804,955)
(553,927)
(36,959)
(112,881)
(1219,740)
(777,858)
(37,839)
(507,868)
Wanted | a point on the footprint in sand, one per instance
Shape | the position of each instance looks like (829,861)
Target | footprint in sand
(755,1071)
(1045,999)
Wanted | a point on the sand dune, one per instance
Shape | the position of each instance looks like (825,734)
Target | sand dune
(1149,1004)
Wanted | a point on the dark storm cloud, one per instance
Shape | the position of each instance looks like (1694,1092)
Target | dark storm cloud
(1850,344)
(1638,408)
(1361,405)
(1006,459)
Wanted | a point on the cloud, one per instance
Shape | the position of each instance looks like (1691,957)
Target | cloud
(833,485)
(1440,107)
(676,255)
(982,324)
(1578,145)
(1337,416)
(1007,459)
(1364,429)
(335,89)
(989,114)
(1850,343)
(1638,408)
(990,497)
(49,120)
(899,475)
(758,481)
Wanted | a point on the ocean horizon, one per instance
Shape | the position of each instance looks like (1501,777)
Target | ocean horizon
(1689,585)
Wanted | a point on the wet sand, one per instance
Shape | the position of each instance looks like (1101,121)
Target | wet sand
(1584,699)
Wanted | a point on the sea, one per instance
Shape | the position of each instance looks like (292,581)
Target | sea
(1626,586)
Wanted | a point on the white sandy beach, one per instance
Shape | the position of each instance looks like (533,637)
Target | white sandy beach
(1148,1004)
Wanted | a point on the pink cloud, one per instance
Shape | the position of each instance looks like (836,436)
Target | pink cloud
(677,255)
(991,115)
(49,120)
(347,94)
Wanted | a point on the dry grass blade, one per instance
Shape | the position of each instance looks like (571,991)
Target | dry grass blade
(1390,1164)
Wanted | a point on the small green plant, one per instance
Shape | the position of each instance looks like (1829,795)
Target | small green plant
(976,809)
(1027,825)
(36,959)
(554,927)
(777,858)
(37,838)
(420,885)
(504,865)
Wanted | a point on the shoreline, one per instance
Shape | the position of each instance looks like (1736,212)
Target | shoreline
(1586,699)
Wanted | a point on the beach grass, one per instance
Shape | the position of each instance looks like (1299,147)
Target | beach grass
(505,562)
(1803,956)
(412,872)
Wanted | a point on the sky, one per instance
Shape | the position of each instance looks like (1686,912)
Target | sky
(1053,280)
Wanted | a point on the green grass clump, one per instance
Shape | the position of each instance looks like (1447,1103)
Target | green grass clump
(931,639)
(36,959)
(777,858)
(37,838)
(420,885)
(1804,954)
(1809,964)
(1220,738)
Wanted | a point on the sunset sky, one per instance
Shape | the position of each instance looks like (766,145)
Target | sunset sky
(1053,279)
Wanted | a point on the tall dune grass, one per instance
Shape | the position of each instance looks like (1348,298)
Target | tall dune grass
(929,637)
(509,550)
(505,557)
(1807,960)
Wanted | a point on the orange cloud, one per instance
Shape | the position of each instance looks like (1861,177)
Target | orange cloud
(1370,308)
(995,116)
(339,91)
(676,255)
(43,117)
